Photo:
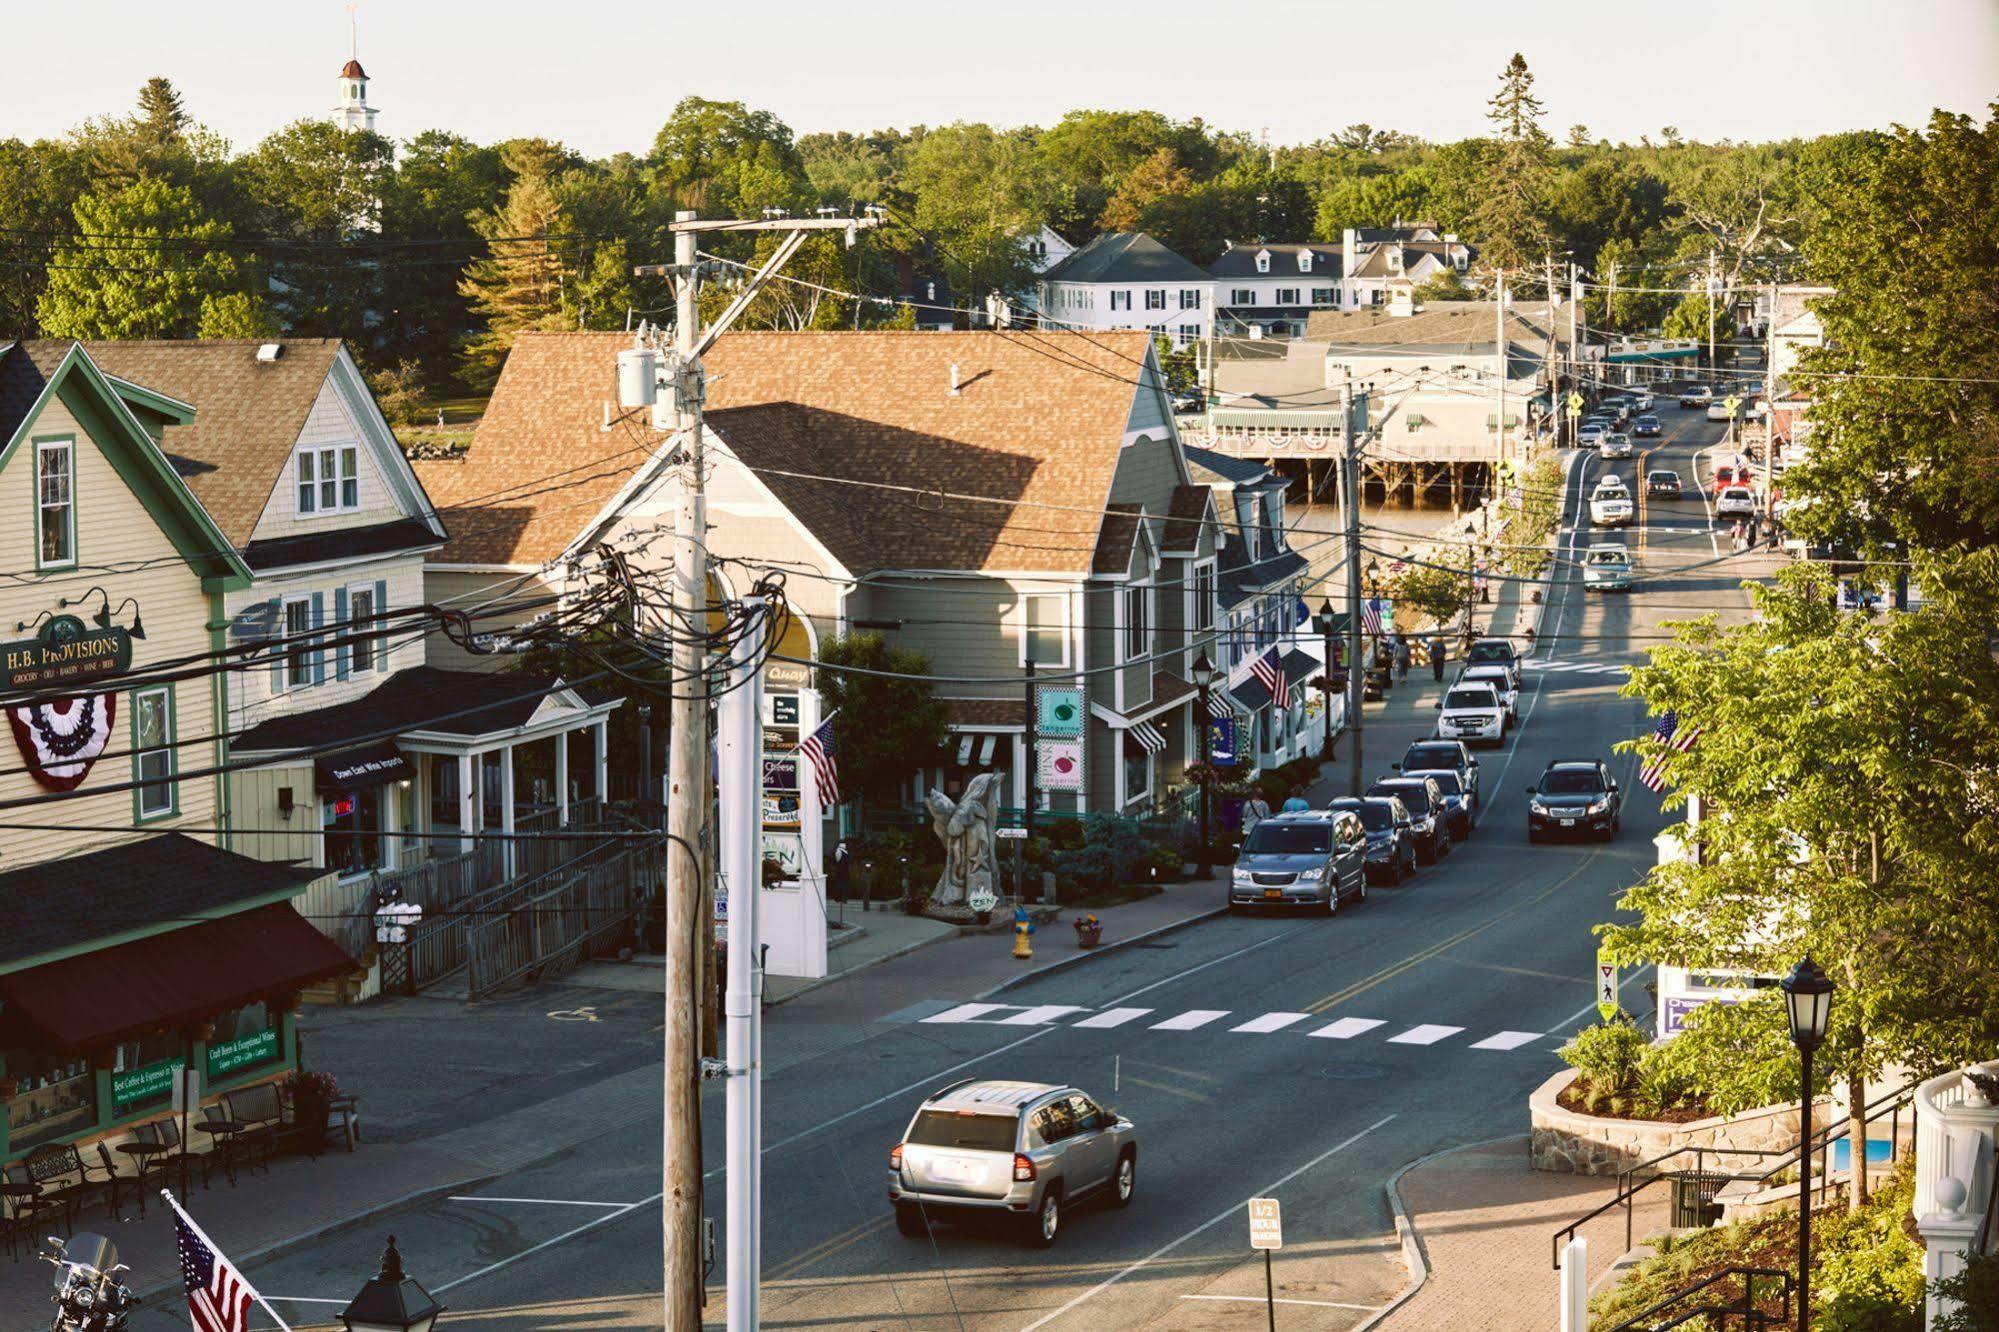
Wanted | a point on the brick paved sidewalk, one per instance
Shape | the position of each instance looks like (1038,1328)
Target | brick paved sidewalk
(1485,1222)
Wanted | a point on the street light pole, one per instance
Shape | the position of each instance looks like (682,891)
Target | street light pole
(1204,679)
(1808,1004)
(1327,618)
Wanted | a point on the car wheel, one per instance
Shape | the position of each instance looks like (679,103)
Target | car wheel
(909,1219)
(1332,904)
(1360,891)
(1045,1224)
(1126,1179)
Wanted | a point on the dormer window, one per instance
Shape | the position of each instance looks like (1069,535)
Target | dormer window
(1263,261)
(1304,261)
(1395,261)
(329,479)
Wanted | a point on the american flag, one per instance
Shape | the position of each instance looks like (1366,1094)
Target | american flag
(1269,672)
(218,1297)
(1653,775)
(823,754)
(1370,616)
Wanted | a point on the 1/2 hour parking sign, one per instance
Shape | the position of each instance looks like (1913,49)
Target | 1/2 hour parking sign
(1266,1224)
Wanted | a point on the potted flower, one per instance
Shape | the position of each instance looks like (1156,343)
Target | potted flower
(1089,930)
(312,1104)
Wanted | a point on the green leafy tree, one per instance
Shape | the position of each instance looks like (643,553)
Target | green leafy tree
(980,193)
(1511,218)
(1372,199)
(724,159)
(239,315)
(887,725)
(442,182)
(1089,153)
(1446,284)
(313,187)
(519,285)
(145,262)
(1433,591)
(162,112)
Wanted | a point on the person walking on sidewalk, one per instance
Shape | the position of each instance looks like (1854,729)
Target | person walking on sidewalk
(1437,657)
(1297,804)
(1254,811)
(1403,653)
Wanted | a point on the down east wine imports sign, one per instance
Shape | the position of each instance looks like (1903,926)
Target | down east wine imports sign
(59,738)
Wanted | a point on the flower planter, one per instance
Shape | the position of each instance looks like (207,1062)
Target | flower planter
(1089,931)
(1575,1142)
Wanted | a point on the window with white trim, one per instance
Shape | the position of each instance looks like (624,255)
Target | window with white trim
(55,502)
(329,478)
(1045,640)
(1137,621)
(1187,333)
(298,642)
(1263,262)
(1242,296)
(361,609)
(1287,295)
(1304,261)
(1190,298)
(152,751)
(1324,295)
(1155,298)
(1120,300)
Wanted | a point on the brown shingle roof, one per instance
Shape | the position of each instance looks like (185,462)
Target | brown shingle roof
(248,413)
(1183,518)
(1039,420)
(1438,323)
(1114,541)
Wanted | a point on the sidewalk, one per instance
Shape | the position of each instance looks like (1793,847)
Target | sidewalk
(1484,1222)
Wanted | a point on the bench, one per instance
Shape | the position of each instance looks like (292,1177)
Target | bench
(267,1114)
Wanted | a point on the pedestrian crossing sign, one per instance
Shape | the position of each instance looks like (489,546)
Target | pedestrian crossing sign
(1606,987)
(1575,403)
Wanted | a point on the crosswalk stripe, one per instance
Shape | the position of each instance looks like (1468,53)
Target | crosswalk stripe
(1192,1018)
(1506,1040)
(1112,1017)
(1271,1022)
(965,1013)
(1345,1029)
(1036,1016)
(1427,1034)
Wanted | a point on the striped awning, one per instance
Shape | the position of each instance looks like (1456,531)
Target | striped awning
(1218,703)
(986,750)
(1149,736)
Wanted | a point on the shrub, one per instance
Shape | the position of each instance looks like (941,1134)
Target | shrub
(1111,848)
(1732,1057)
(1870,1272)
(1976,1289)
(1164,858)
(1607,1055)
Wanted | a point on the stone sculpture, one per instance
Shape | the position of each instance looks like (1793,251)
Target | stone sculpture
(971,866)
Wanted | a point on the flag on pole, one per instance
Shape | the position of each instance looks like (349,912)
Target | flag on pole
(1269,672)
(821,751)
(1370,616)
(218,1296)
(1668,733)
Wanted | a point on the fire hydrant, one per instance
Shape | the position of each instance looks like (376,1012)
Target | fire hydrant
(1022,927)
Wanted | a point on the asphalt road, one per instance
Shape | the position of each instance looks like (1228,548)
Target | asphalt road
(1415,1022)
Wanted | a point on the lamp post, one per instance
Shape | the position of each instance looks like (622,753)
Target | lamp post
(1204,680)
(1325,623)
(1808,1002)
(391,1301)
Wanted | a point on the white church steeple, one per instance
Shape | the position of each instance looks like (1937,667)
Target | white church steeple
(352,111)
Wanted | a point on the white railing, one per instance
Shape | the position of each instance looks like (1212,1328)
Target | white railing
(1957,1150)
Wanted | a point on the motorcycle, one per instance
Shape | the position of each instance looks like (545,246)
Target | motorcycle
(89,1296)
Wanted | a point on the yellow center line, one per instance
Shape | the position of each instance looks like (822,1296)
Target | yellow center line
(1417,959)
(828,1247)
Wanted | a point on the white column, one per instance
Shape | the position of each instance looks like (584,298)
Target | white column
(740,740)
(562,778)
(507,803)
(468,799)
(1575,1286)
(601,742)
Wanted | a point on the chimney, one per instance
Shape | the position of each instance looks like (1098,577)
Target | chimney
(954,379)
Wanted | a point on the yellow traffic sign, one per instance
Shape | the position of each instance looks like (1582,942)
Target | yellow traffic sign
(1606,987)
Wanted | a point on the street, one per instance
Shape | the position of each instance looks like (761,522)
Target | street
(1298,1057)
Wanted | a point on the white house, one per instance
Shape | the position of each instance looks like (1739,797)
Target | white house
(1270,289)
(1045,248)
(1381,260)
(1126,279)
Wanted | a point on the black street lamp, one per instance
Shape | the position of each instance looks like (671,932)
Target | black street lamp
(1204,680)
(1326,622)
(1808,1001)
(391,1302)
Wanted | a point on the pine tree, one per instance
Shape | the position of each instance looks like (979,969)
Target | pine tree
(519,285)
(1510,220)
(161,110)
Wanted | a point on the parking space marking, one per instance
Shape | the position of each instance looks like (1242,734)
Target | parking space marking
(1271,1022)
(1192,1018)
(533,1202)
(1112,1017)
(1507,1040)
(1429,1033)
(1346,1028)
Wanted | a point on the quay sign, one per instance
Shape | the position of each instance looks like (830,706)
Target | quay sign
(64,653)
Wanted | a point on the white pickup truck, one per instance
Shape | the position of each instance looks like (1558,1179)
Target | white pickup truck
(1610,503)
(1502,682)
(1472,712)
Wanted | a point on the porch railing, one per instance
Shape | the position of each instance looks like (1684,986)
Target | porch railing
(559,919)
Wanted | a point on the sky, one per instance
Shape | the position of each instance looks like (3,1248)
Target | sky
(602,76)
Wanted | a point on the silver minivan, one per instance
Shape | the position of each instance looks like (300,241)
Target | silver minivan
(1019,1149)
(1311,858)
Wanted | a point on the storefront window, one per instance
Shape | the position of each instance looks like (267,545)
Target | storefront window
(243,1039)
(443,791)
(142,1073)
(353,821)
(57,1097)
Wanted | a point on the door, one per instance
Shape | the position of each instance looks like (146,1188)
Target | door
(1086,1155)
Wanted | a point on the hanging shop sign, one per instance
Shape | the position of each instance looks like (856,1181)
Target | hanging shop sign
(781,772)
(781,710)
(1058,710)
(225,1057)
(352,769)
(782,809)
(1058,765)
(65,652)
(787,852)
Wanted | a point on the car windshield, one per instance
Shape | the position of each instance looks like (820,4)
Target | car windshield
(1289,839)
(1665,478)
(1432,756)
(1447,782)
(1469,698)
(1608,557)
(1413,794)
(1612,493)
(1490,652)
(1571,781)
(964,1128)
(1374,815)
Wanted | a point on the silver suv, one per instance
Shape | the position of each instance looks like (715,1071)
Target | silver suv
(1026,1149)
(1317,857)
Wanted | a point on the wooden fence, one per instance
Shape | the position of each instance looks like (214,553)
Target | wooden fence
(585,909)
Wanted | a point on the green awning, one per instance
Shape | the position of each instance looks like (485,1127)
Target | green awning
(1257,418)
(1672,354)
(1492,419)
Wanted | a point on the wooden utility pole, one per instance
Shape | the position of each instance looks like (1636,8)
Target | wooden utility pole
(1499,349)
(1356,668)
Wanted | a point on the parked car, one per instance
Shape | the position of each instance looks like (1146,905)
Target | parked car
(1607,567)
(1502,683)
(1728,475)
(1663,483)
(1472,712)
(1591,434)
(1618,409)
(1391,836)
(1496,649)
(1025,1150)
(1458,812)
(1574,795)
(1313,858)
(1646,427)
(1424,800)
(1695,395)
(1616,444)
(1452,754)
(1641,400)
(1720,411)
(1735,502)
(1610,503)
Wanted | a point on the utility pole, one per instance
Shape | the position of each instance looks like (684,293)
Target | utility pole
(1356,667)
(1499,349)
(1770,411)
(687,793)
(1575,345)
(1710,310)
(740,761)
(1549,374)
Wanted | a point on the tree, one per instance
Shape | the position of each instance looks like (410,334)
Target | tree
(1446,284)
(886,725)
(1511,217)
(1844,768)
(144,265)
(1089,153)
(1159,177)
(980,192)
(313,188)
(161,110)
(1374,199)
(237,314)
(518,286)
(726,160)
(440,184)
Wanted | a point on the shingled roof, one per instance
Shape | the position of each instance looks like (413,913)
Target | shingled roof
(845,429)
(1125,256)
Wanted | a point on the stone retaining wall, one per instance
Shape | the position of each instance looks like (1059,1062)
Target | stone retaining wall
(1568,1141)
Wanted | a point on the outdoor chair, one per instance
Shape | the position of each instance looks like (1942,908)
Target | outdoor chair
(233,1147)
(343,1117)
(23,1205)
(261,1112)
(163,1166)
(118,1179)
(64,1176)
